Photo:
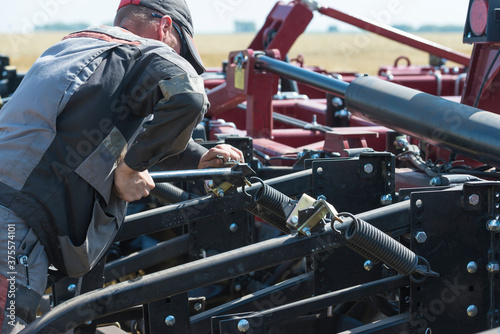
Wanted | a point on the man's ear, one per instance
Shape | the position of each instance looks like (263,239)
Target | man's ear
(165,26)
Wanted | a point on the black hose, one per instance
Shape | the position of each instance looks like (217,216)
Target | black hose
(375,242)
(170,193)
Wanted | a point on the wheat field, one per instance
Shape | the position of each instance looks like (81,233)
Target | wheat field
(357,52)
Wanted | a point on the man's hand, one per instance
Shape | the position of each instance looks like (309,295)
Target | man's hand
(131,185)
(217,156)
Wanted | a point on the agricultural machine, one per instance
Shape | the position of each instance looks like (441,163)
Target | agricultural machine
(366,204)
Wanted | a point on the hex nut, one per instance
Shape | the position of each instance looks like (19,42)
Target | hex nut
(493,226)
(421,237)
(474,199)
(368,168)
(493,267)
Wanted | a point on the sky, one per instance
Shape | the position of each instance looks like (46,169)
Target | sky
(218,16)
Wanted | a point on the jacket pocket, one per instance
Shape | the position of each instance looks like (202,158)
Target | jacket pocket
(78,260)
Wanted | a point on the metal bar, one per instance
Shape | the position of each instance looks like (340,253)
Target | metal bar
(322,82)
(146,258)
(398,36)
(300,123)
(195,274)
(194,175)
(175,215)
(454,126)
(178,214)
(297,288)
(396,324)
(300,307)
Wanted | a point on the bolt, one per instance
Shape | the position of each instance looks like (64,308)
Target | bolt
(421,237)
(368,168)
(220,192)
(307,231)
(237,287)
(170,321)
(315,156)
(294,221)
(233,227)
(198,307)
(386,199)
(493,226)
(472,267)
(337,102)
(474,199)
(243,325)
(472,311)
(88,323)
(493,267)
(72,288)
(368,265)
(435,181)
(321,197)
(210,183)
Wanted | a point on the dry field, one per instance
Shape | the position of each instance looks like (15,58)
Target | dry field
(361,52)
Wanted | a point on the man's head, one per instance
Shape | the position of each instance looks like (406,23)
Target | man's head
(165,20)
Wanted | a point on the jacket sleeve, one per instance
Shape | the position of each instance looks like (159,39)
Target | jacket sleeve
(181,106)
(188,159)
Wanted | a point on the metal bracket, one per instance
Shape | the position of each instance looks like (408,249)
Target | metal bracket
(310,212)
(231,183)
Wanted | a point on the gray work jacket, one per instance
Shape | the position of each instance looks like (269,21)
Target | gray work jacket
(97,97)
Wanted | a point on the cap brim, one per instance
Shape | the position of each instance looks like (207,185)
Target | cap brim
(192,55)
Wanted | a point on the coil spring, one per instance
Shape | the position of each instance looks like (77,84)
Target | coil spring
(364,254)
(269,217)
(272,199)
(379,245)
(170,193)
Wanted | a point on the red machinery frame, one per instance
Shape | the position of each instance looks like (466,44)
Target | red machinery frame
(244,103)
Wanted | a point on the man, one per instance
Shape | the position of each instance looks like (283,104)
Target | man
(94,112)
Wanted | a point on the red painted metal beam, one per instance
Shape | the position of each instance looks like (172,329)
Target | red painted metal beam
(284,24)
(398,36)
(482,89)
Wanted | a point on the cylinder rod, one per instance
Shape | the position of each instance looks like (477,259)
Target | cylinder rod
(454,126)
(194,175)
(322,82)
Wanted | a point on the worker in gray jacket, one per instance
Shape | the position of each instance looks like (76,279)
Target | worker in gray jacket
(94,112)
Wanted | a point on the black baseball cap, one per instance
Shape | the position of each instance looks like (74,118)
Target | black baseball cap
(179,11)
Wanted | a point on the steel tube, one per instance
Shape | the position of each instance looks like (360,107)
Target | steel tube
(454,126)
(194,175)
(322,301)
(178,214)
(199,273)
(147,258)
(322,82)
(398,36)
